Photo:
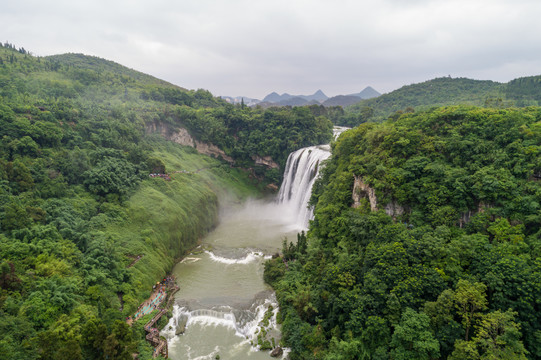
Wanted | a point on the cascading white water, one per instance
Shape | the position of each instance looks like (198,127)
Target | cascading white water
(301,171)
(246,323)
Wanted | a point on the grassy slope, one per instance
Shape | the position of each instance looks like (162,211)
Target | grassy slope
(165,219)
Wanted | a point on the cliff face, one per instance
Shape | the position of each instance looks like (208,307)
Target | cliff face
(362,190)
(183,137)
(266,161)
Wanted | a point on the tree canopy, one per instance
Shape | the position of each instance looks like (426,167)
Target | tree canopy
(425,242)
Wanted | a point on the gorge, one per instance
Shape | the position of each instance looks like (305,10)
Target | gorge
(223,306)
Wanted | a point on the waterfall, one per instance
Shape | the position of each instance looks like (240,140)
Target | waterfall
(245,322)
(302,169)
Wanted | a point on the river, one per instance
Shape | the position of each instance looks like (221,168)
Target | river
(222,296)
(223,308)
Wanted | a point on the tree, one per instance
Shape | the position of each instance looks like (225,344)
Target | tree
(19,176)
(94,333)
(119,345)
(14,217)
(470,301)
(413,339)
(442,321)
(156,165)
(498,337)
(7,275)
(376,336)
(111,176)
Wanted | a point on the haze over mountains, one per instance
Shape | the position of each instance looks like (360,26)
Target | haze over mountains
(319,97)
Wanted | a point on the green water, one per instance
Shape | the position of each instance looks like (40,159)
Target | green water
(222,294)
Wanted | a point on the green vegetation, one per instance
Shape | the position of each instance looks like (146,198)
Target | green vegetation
(443,91)
(439,258)
(244,132)
(84,230)
(525,91)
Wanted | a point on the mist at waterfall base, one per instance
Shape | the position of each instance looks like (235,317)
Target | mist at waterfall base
(223,300)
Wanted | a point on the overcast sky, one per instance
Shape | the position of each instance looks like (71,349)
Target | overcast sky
(254,47)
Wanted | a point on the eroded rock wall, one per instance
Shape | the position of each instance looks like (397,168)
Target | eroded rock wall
(182,136)
(362,190)
(266,161)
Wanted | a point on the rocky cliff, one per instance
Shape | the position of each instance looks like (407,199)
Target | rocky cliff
(265,161)
(182,136)
(362,190)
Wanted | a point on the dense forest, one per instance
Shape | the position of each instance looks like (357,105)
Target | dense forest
(84,230)
(425,243)
(444,91)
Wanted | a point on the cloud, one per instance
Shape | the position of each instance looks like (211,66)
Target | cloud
(250,48)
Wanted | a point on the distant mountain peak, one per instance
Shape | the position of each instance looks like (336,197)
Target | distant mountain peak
(272,97)
(285,98)
(367,93)
(318,96)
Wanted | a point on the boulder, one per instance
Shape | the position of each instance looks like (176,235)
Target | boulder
(277,352)
(181,325)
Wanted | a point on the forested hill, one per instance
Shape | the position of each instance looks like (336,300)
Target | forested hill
(446,91)
(524,91)
(95,65)
(242,133)
(425,243)
(84,230)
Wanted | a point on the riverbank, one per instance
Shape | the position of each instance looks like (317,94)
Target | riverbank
(158,304)
(166,220)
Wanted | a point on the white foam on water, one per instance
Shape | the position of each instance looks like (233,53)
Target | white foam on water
(249,258)
(190,260)
(206,317)
(250,329)
(210,356)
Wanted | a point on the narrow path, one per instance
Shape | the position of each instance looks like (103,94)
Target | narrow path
(161,299)
(135,259)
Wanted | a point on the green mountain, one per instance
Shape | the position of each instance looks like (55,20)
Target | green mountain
(437,92)
(84,230)
(445,91)
(347,100)
(525,91)
(98,65)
